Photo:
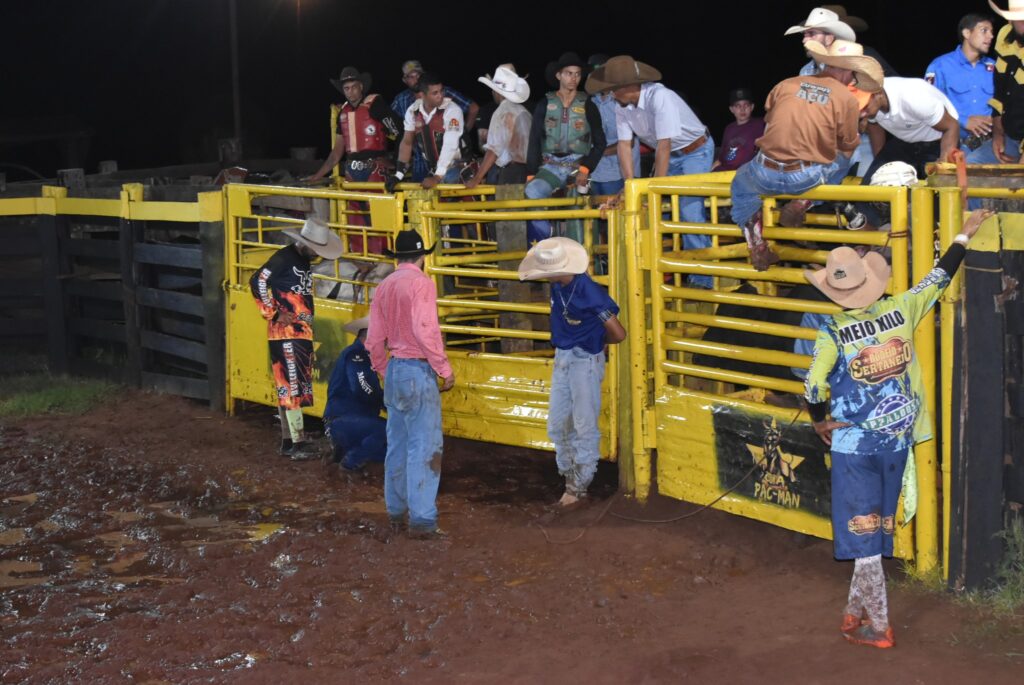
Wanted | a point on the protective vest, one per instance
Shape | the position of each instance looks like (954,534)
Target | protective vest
(565,128)
(359,129)
(430,135)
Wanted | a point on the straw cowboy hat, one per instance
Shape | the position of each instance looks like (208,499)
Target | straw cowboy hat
(621,70)
(352,74)
(855,23)
(849,280)
(356,325)
(508,84)
(409,244)
(847,55)
(1014,11)
(824,20)
(553,257)
(318,237)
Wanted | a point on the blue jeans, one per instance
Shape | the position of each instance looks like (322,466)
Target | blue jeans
(573,410)
(412,467)
(607,187)
(551,176)
(985,155)
(754,179)
(691,209)
(358,440)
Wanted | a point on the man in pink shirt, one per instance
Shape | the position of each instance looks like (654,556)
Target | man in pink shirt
(403,323)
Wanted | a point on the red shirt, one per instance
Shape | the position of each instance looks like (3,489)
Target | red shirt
(403,321)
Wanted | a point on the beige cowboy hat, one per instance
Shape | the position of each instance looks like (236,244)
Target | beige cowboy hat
(553,257)
(849,280)
(621,70)
(855,23)
(508,84)
(356,325)
(824,20)
(1013,12)
(847,55)
(318,236)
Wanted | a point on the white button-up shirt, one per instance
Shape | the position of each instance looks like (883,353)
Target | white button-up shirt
(660,114)
(453,127)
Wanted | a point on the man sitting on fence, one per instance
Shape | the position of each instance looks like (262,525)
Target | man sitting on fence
(865,356)
(283,288)
(811,128)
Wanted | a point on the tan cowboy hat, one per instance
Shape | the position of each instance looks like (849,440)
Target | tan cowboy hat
(318,236)
(621,70)
(1013,12)
(553,257)
(356,325)
(824,20)
(847,55)
(508,84)
(849,280)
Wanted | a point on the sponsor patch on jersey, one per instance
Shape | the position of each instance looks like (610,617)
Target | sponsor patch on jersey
(454,125)
(877,363)
(894,414)
(552,107)
(370,129)
(579,110)
(579,124)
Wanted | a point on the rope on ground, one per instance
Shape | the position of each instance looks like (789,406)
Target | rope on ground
(583,532)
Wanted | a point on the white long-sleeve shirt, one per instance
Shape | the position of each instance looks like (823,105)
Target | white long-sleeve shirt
(453,127)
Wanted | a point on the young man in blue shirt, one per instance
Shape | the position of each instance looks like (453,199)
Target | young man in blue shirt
(583,321)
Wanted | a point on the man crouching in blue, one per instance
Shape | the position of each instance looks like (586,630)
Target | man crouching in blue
(354,402)
(583,322)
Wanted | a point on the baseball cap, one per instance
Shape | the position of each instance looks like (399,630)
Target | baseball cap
(737,94)
(410,66)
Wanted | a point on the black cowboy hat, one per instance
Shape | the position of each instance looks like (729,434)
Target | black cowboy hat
(568,59)
(353,74)
(409,244)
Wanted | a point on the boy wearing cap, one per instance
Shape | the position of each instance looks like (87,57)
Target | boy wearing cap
(283,288)
(406,348)
(583,321)
(354,402)
(865,356)
(739,139)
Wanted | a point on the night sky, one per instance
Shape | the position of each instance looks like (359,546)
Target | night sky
(152,78)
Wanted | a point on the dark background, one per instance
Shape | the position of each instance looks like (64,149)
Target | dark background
(152,78)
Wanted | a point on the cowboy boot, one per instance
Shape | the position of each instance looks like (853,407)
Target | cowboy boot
(761,256)
(793,213)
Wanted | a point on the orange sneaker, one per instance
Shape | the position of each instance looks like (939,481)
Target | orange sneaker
(850,623)
(866,635)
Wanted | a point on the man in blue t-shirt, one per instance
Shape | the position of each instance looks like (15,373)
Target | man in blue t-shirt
(583,321)
(354,403)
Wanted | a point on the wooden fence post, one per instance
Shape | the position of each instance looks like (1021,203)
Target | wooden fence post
(211,239)
(53,235)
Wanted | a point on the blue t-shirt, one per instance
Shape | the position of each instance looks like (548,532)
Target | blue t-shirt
(578,313)
(354,389)
(968,86)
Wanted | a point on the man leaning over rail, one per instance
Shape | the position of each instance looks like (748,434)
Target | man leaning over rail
(583,322)
(283,288)
(404,324)
(865,356)
(811,128)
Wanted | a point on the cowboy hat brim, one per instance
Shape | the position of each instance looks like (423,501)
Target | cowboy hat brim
(356,325)
(576,262)
(838,29)
(413,253)
(332,249)
(1007,14)
(877,272)
(519,96)
(599,80)
(866,70)
(364,77)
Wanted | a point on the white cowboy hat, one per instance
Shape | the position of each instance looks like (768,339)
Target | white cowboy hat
(318,236)
(827,21)
(356,325)
(553,257)
(507,83)
(849,280)
(847,55)
(1014,11)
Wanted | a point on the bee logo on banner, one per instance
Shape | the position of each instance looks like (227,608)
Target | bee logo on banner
(790,462)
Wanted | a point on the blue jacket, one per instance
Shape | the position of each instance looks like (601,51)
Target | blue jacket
(968,86)
(354,389)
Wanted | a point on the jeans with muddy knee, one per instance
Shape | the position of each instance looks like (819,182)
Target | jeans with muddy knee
(573,412)
(412,467)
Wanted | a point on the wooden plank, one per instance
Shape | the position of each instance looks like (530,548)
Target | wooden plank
(99,290)
(171,301)
(168,344)
(169,255)
(102,249)
(177,385)
(94,328)
(189,330)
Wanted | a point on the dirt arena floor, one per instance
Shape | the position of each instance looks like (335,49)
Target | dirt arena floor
(155,541)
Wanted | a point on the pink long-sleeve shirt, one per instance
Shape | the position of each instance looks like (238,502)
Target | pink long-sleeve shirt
(403,321)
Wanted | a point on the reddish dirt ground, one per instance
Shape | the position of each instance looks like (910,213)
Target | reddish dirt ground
(155,541)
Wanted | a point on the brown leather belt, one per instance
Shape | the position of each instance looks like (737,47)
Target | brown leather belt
(691,147)
(781,166)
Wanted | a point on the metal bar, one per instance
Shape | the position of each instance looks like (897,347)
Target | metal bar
(494,305)
(500,332)
(740,352)
(763,301)
(487,257)
(749,325)
(821,235)
(735,377)
(486,217)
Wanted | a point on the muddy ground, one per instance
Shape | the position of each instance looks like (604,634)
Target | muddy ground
(156,541)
